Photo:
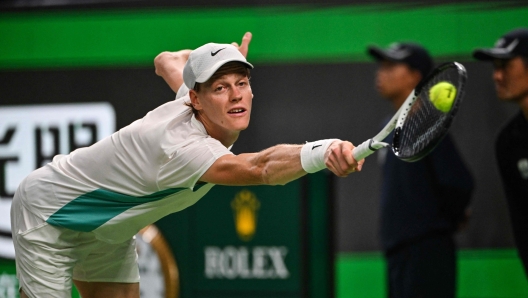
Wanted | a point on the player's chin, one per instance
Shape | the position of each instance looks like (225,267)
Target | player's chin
(240,125)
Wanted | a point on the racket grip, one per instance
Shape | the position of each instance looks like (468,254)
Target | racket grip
(367,148)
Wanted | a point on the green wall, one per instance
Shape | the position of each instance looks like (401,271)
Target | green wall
(282,34)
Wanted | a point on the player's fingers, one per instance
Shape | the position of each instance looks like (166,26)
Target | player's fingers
(346,160)
(244,46)
(336,159)
(338,163)
(349,165)
(344,164)
(330,163)
(347,155)
(350,158)
(336,170)
(339,158)
(360,164)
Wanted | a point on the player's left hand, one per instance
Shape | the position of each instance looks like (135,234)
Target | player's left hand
(339,159)
(244,46)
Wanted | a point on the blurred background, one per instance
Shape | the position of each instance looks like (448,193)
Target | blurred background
(312,80)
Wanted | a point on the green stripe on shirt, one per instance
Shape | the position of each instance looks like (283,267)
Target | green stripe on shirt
(91,210)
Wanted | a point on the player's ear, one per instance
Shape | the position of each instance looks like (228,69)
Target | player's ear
(195,100)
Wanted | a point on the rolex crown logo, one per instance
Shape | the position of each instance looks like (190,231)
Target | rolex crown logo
(245,206)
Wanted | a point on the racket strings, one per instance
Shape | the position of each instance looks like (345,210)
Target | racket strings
(424,124)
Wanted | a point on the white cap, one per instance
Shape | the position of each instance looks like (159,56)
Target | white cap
(207,59)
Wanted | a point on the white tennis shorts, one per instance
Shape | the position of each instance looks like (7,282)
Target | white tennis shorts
(48,257)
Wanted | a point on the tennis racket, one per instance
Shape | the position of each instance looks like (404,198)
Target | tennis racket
(418,125)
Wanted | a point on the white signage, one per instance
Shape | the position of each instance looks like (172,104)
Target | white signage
(31,135)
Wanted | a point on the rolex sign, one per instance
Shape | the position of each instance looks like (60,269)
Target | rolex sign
(248,238)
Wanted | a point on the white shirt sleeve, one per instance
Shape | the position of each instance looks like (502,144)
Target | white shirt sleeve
(190,162)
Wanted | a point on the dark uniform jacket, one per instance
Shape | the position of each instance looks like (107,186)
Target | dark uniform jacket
(512,157)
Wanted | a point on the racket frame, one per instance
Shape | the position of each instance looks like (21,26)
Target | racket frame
(373,144)
(370,146)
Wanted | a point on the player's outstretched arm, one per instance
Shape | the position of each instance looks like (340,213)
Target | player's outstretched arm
(281,164)
(169,65)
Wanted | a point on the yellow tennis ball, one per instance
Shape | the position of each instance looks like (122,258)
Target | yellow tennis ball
(442,96)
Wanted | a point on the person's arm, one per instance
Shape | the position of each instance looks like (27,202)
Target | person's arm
(281,164)
(169,65)
(244,46)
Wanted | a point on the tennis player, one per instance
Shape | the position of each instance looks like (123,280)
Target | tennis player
(74,219)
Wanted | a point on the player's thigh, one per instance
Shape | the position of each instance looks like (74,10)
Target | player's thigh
(107,289)
(109,270)
(109,263)
(22,294)
(44,261)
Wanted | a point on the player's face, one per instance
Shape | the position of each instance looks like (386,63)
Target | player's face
(395,80)
(225,106)
(511,79)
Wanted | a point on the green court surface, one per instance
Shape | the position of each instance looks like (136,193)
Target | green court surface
(481,274)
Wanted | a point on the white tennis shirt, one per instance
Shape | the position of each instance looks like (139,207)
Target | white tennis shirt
(128,180)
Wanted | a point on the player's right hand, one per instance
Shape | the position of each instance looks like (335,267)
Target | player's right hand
(339,159)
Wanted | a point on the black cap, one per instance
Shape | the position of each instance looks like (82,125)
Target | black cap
(511,44)
(411,54)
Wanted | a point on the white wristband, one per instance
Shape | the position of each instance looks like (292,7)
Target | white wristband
(312,155)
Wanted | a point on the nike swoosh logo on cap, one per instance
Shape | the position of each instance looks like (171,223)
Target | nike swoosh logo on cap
(214,53)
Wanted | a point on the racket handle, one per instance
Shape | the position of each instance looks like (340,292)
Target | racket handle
(367,148)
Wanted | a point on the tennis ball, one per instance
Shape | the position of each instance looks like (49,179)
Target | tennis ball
(442,96)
